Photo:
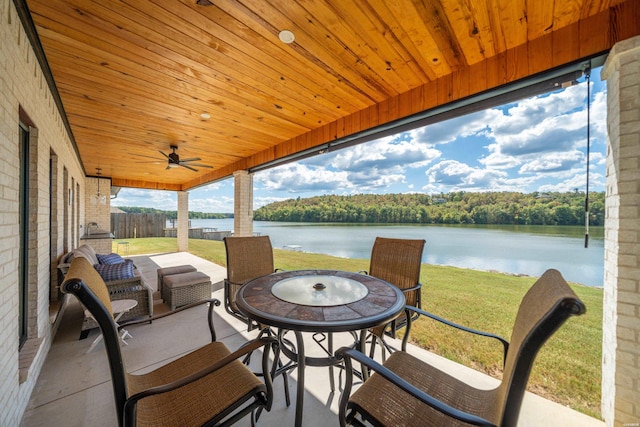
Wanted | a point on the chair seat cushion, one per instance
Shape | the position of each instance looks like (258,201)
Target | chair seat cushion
(394,407)
(194,403)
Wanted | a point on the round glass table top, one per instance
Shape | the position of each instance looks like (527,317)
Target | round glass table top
(319,290)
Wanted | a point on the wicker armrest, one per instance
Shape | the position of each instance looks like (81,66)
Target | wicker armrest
(123,284)
(133,288)
(346,354)
(419,311)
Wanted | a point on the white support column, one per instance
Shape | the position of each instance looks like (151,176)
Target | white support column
(183,221)
(621,307)
(243,204)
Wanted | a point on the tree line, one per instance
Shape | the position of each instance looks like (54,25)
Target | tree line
(174,214)
(461,207)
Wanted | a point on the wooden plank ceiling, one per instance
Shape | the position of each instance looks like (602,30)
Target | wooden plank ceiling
(134,76)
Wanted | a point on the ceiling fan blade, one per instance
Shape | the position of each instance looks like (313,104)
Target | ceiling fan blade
(188,167)
(192,159)
(166,155)
(200,165)
(157,162)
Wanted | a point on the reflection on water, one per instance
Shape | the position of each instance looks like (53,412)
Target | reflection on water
(526,250)
(304,290)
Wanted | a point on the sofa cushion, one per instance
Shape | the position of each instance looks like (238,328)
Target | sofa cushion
(109,258)
(121,271)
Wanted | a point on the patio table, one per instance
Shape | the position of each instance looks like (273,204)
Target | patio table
(324,301)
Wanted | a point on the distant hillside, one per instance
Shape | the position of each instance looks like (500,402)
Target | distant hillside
(174,214)
(452,208)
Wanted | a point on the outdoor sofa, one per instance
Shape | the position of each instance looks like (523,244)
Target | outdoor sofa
(123,281)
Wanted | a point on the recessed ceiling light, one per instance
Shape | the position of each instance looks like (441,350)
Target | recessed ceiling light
(286,36)
(205,116)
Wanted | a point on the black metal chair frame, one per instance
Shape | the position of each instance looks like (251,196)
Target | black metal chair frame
(528,350)
(125,405)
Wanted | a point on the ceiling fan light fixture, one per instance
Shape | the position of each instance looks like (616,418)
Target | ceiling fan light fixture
(286,36)
(173,165)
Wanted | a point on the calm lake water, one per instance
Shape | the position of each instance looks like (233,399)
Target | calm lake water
(526,250)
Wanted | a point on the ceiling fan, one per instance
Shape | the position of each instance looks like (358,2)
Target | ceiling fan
(174,161)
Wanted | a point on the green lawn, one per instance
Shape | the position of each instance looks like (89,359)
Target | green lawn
(567,370)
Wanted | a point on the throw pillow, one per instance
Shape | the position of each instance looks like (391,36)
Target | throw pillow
(109,258)
(110,272)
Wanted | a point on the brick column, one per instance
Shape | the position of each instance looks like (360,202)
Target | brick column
(243,204)
(183,221)
(621,310)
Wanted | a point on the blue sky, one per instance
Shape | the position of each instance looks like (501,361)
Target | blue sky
(536,144)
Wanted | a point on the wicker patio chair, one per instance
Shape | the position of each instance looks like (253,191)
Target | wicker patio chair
(398,262)
(405,389)
(207,386)
(248,258)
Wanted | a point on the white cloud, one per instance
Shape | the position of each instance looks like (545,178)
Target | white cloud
(458,176)
(217,204)
(385,154)
(553,162)
(524,113)
(546,135)
(214,186)
(134,197)
(453,129)
(373,166)
(297,177)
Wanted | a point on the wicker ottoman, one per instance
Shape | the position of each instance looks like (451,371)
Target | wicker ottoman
(167,271)
(185,288)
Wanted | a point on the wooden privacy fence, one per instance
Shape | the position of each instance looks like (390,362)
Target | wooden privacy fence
(132,225)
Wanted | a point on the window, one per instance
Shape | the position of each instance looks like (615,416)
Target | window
(23,261)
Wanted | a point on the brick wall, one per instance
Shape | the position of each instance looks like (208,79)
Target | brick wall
(621,311)
(23,85)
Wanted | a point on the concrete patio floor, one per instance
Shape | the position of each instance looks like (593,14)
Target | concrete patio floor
(74,387)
